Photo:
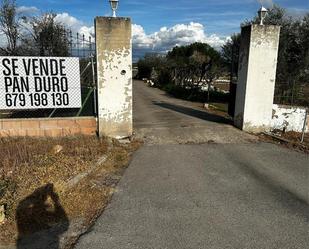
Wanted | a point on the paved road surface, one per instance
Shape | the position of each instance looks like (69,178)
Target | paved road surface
(160,119)
(235,193)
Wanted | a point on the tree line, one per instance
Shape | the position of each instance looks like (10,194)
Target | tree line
(184,71)
(188,69)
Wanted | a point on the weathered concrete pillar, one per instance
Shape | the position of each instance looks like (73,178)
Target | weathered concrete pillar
(114,67)
(256,77)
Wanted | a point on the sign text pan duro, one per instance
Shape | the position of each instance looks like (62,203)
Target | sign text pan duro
(39,82)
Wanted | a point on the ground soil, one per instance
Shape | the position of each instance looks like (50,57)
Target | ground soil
(75,175)
(291,140)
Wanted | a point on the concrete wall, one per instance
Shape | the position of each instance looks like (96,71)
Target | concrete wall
(48,127)
(257,75)
(289,118)
(114,65)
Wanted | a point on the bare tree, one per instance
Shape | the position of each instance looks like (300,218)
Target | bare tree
(31,35)
(47,37)
(9,26)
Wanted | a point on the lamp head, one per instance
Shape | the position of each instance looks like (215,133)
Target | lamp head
(262,14)
(114,6)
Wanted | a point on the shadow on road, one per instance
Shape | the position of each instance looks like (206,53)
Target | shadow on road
(194,113)
(41,212)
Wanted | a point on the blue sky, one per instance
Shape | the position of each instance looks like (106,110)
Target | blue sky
(218,16)
(161,24)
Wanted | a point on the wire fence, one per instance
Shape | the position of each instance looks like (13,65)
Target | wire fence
(83,48)
(295,94)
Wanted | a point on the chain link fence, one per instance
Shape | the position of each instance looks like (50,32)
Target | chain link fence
(84,49)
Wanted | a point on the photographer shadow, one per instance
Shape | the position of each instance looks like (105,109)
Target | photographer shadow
(41,220)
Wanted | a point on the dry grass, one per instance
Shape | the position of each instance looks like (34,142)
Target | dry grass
(29,163)
(290,140)
(292,136)
(32,171)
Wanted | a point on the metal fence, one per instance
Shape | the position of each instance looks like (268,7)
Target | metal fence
(83,48)
(294,93)
(80,45)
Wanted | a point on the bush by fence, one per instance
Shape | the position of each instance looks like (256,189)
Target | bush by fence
(196,94)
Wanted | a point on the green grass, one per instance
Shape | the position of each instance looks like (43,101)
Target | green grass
(223,107)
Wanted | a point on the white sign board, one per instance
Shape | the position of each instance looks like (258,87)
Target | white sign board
(39,82)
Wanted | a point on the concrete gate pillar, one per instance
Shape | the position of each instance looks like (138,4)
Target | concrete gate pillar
(114,76)
(256,77)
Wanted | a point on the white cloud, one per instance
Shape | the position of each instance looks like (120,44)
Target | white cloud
(161,41)
(75,25)
(27,10)
(139,37)
(180,34)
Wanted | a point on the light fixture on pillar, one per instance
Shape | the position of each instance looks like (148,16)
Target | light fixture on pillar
(114,6)
(262,14)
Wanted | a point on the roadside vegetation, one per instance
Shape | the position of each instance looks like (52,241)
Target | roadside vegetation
(188,72)
(291,140)
(76,175)
(185,72)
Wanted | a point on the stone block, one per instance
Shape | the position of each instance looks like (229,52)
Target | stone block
(87,122)
(18,133)
(30,124)
(48,123)
(71,131)
(11,124)
(56,132)
(63,123)
(35,133)
(88,131)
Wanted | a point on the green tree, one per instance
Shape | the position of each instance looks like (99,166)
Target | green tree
(292,56)
(150,62)
(194,65)
(292,80)
(304,33)
(230,55)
